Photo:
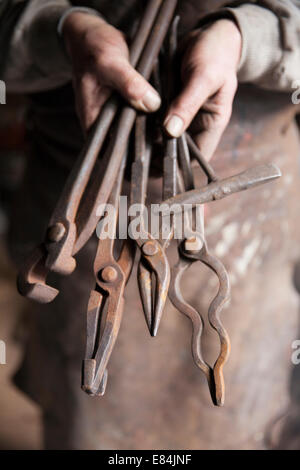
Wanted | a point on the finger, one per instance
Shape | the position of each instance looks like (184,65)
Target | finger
(90,97)
(213,125)
(185,107)
(208,140)
(120,75)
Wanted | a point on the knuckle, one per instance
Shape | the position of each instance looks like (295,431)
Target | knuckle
(133,85)
(105,61)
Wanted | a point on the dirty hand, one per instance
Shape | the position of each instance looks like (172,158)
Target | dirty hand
(209,81)
(99,56)
(100,61)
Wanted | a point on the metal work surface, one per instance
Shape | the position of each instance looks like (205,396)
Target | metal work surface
(97,178)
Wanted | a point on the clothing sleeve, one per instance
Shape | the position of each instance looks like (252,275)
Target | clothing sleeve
(270,32)
(35,59)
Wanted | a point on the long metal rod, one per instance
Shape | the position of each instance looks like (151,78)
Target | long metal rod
(248,179)
(126,121)
(67,206)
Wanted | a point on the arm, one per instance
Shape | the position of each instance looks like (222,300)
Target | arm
(35,59)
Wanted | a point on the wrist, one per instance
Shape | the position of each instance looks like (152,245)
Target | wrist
(229,35)
(76,18)
(233,37)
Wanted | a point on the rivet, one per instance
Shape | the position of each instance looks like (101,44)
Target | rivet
(150,248)
(56,232)
(109,274)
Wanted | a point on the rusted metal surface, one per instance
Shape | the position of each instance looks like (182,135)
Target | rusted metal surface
(60,255)
(93,183)
(248,179)
(106,302)
(153,257)
(194,248)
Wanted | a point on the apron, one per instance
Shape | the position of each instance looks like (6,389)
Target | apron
(156,397)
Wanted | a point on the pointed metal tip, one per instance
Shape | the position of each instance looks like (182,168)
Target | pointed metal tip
(149,325)
(276,170)
(219,402)
(154,330)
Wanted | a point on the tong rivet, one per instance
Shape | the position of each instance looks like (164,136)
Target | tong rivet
(109,274)
(150,249)
(56,232)
(193,244)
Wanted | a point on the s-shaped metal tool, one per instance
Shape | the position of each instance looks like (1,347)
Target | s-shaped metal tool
(194,248)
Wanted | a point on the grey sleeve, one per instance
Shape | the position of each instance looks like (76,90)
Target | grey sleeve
(271,41)
(36,59)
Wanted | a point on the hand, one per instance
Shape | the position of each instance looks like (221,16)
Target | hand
(100,61)
(209,79)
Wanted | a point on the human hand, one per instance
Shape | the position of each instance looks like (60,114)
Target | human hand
(100,59)
(209,83)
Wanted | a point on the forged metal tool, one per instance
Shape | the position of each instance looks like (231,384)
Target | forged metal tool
(95,181)
(126,122)
(106,303)
(153,256)
(72,224)
(194,248)
(219,189)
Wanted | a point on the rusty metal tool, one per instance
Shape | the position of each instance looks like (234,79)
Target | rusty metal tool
(126,122)
(63,239)
(218,189)
(106,302)
(194,248)
(153,252)
(153,258)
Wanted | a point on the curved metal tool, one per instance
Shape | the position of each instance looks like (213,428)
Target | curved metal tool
(214,376)
(194,248)
(31,281)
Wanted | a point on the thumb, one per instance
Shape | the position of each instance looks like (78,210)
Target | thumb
(185,107)
(133,87)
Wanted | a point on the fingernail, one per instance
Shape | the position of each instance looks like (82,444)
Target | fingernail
(150,102)
(174,126)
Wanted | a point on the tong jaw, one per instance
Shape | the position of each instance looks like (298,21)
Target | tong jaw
(109,291)
(53,255)
(31,281)
(214,376)
(154,260)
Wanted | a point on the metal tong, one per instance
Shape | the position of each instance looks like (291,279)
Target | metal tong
(106,302)
(153,267)
(93,182)
(75,216)
(191,249)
